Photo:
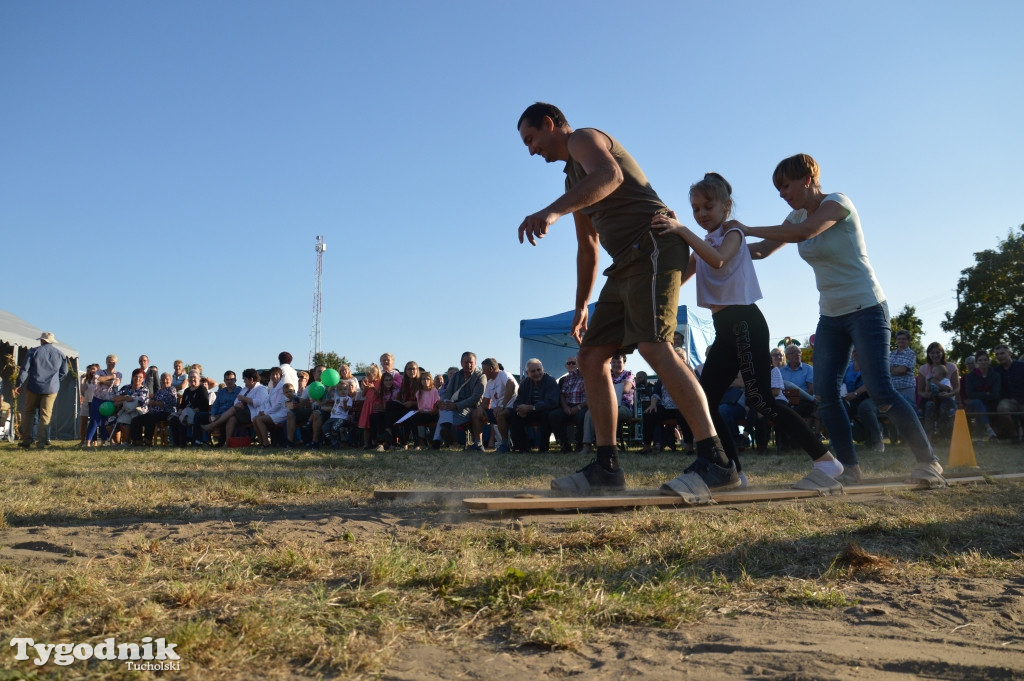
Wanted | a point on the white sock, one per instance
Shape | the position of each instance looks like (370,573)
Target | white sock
(832,468)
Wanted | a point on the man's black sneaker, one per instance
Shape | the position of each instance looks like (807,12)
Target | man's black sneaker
(589,479)
(713,475)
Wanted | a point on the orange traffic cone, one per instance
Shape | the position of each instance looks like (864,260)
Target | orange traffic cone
(961,449)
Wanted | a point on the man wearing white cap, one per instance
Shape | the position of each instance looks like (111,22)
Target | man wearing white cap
(41,373)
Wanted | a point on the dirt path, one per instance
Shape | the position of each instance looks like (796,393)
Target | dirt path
(948,628)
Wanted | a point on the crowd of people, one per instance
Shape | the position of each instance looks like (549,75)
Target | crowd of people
(486,407)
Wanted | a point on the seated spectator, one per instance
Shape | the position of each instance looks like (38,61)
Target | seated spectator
(380,423)
(496,406)
(303,382)
(969,366)
(938,385)
(345,371)
(733,408)
(107,383)
(195,399)
(160,407)
(643,390)
(131,404)
(572,407)
(274,411)
(387,366)
(860,408)
(152,380)
(404,403)
(536,399)
(371,389)
(1011,396)
(288,374)
(983,389)
(222,403)
(334,430)
(663,409)
(461,395)
(246,405)
(757,424)
(903,367)
(799,380)
(427,399)
(178,376)
(314,412)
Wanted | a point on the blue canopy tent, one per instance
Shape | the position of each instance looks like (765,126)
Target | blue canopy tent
(548,339)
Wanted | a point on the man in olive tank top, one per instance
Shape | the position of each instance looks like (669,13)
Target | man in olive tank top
(612,204)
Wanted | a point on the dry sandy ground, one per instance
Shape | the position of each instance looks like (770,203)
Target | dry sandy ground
(942,629)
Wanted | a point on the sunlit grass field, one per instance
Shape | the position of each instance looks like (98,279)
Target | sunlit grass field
(282,564)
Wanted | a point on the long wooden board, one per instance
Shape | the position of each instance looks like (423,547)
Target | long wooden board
(456,496)
(625,500)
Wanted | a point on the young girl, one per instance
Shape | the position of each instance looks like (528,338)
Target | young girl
(333,429)
(380,422)
(371,388)
(727,285)
(404,402)
(427,398)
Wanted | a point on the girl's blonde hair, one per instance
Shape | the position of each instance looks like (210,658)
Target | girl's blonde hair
(373,372)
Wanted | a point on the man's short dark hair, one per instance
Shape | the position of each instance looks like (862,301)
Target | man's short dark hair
(467,353)
(535,113)
(491,362)
(251,374)
(284,358)
(230,373)
(903,332)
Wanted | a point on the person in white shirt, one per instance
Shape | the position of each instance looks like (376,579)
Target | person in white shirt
(499,396)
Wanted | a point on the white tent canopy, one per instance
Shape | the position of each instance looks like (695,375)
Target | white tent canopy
(17,332)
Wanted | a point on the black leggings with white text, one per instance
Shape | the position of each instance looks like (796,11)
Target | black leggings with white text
(741,345)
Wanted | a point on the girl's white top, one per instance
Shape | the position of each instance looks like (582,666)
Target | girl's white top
(735,283)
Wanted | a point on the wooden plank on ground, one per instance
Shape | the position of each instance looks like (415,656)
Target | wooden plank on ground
(440,495)
(728,497)
(426,495)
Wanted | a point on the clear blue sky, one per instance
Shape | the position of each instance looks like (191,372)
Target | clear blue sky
(165,167)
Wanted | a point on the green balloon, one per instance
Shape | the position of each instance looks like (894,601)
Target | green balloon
(107,409)
(316,390)
(330,377)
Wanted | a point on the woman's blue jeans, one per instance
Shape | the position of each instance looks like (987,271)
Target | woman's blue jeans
(869,332)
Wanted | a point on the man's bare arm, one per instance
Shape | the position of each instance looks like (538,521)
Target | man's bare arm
(587,254)
(592,150)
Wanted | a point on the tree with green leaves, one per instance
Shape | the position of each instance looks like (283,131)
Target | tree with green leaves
(331,360)
(907,320)
(990,300)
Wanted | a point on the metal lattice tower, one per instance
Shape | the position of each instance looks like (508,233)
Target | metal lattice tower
(314,335)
